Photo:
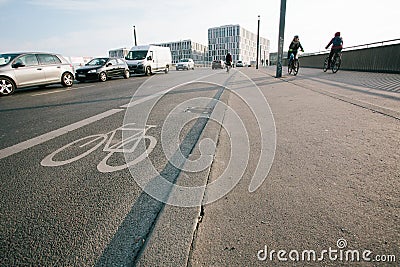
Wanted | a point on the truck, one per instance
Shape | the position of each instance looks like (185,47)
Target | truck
(149,59)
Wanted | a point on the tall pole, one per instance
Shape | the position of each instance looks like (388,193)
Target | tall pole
(281,39)
(258,41)
(134,34)
(204,57)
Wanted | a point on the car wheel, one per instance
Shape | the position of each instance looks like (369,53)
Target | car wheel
(148,71)
(67,79)
(7,86)
(102,77)
(126,74)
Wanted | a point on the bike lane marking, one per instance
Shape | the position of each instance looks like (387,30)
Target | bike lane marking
(6,152)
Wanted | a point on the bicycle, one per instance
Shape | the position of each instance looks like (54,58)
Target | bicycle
(112,146)
(335,63)
(294,64)
(228,66)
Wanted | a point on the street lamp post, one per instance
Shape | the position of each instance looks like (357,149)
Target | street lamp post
(258,41)
(281,39)
(134,34)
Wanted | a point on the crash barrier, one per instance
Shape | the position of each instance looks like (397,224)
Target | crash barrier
(374,57)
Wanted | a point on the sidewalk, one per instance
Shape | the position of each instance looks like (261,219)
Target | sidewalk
(334,183)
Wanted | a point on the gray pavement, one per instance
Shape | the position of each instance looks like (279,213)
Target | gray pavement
(334,179)
(329,141)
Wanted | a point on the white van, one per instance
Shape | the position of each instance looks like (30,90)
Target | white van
(148,59)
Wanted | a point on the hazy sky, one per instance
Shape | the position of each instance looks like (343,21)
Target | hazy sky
(92,27)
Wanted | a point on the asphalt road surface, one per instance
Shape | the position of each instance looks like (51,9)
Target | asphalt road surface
(201,168)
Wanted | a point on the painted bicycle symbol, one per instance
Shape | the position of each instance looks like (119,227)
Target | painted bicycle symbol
(114,143)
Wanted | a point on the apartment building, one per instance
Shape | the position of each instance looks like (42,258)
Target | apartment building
(241,43)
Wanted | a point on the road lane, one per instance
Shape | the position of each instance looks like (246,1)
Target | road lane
(69,214)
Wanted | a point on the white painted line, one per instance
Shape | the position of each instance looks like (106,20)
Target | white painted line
(6,152)
(142,100)
(61,90)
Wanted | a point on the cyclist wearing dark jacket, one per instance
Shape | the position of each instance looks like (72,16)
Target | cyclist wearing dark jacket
(228,59)
(337,45)
(294,46)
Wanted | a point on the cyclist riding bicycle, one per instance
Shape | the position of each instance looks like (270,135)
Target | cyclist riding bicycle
(337,45)
(293,47)
(228,59)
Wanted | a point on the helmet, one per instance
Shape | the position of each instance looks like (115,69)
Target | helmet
(337,34)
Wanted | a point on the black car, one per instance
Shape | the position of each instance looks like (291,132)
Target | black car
(101,69)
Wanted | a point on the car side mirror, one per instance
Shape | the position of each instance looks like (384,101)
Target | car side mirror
(109,64)
(17,65)
(149,58)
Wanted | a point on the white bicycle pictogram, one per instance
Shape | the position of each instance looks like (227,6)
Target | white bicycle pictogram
(127,145)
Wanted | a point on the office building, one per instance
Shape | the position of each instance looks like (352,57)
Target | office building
(186,49)
(241,43)
(120,52)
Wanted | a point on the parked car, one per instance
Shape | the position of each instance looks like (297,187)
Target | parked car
(218,64)
(101,69)
(19,70)
(240,63)
(185,64)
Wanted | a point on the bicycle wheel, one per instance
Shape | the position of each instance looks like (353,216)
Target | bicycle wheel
(74,148)
(325,68)
(290,68)
(336,65)
(104,167)
(296,67)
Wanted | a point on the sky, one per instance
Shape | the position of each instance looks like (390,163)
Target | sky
(93,27)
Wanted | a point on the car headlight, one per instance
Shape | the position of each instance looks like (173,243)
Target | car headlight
(92,71)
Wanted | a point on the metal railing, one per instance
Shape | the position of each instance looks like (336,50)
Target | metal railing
(381,56)
(357,47)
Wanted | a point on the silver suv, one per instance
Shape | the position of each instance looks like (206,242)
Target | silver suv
(18,70)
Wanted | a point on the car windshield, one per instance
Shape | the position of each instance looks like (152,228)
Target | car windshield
(184,60)
(136,55)
(6,58)
(97,62)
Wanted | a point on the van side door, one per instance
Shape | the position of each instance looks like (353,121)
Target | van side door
(151,60)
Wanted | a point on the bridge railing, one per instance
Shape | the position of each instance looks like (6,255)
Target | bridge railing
(373,57)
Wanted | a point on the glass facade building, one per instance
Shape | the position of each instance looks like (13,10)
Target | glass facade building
(241,43)
(120,52)
(187,49)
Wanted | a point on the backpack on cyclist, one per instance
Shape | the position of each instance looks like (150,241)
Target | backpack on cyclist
(337,41)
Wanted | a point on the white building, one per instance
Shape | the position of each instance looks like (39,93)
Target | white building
(120,52)
(186,49)
(241,43)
